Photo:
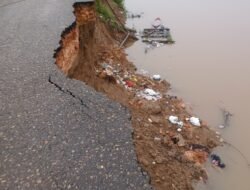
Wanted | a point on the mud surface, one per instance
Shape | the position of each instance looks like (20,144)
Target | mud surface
(90,52)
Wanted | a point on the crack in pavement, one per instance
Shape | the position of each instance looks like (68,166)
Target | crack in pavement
(66,91)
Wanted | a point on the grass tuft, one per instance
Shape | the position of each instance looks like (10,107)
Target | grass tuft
(120,3)
(104,11)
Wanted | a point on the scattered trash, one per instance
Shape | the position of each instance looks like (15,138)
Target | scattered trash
(143,72)
(216,160)
(152,45)
(226,118)
(129,84)
(221,126)
(175,120)
(132,15)
(195,121)
(157,77)
(149,94)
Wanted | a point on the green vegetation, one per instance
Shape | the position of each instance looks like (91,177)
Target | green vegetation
(104,11)
(120,3)
(107,15)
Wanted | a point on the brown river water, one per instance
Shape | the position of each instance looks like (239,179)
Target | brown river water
(208,67)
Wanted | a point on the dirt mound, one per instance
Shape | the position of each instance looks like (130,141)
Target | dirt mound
(89,51)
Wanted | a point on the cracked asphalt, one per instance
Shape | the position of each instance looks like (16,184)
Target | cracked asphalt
(56,133)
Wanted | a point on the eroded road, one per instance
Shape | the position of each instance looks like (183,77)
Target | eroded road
(55,133)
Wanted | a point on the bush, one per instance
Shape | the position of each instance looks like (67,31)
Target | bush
(120,3)
(104,11)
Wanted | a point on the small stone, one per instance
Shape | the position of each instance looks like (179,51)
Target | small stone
(157,139)
(159,160)
(166,140)
(157,180)
(183,106)
(100,166)
(39,181)
(144,162)
(181,141)
(155,119)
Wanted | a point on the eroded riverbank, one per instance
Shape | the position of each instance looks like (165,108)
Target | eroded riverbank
(90,51)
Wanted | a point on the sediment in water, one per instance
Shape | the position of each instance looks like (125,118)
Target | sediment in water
(89,51)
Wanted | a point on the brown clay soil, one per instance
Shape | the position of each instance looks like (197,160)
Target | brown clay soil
(89,51)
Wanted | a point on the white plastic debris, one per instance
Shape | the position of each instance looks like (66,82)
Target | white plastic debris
(149,94)
(173,119)
(221,126)
(195,121)
(180,124)
(179,129)
(157,77)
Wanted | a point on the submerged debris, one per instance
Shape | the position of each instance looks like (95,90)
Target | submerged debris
(226,118)
(216,160)
(134,15)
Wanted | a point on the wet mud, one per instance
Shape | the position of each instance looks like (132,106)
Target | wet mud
(90,51)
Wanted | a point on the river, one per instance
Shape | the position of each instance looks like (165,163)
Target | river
(208,67)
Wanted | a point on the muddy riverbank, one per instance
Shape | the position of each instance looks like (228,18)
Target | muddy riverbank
(90,51)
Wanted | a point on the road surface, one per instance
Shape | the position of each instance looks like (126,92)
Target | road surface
(56,133)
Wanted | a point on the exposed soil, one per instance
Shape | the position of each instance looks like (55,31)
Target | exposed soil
(89,51)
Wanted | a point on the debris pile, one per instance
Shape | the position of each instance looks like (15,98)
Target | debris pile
(168,140)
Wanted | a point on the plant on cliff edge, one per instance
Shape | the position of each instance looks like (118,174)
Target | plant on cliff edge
(104,11)
(120,3)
